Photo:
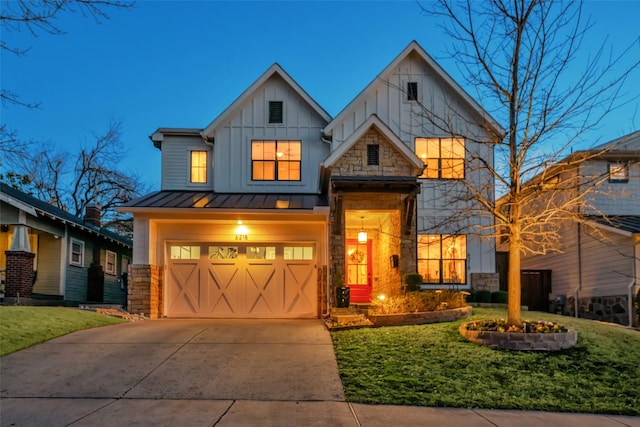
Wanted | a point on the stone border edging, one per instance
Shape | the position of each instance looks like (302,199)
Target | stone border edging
(421,317)
(521,341)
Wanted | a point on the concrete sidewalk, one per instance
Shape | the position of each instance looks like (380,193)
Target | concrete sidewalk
(213,373)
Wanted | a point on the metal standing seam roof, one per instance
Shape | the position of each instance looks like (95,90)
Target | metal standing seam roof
(629,223)
(211,200)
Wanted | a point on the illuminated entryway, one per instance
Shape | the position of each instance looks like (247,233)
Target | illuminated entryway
(371,266)
(241,281)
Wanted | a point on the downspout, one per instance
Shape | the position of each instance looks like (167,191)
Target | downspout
(326,312)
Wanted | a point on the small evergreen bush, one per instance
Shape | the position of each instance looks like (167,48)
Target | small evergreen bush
(483,295)
(499,297)
(413,282)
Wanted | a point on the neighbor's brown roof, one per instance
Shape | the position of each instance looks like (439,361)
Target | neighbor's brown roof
(211,200)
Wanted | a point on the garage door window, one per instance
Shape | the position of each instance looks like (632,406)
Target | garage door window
(223,252)
(298,252)
(261,252)
(185,252)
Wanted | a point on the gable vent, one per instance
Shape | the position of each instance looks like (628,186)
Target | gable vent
(275,112)
(373,155)
(412,91)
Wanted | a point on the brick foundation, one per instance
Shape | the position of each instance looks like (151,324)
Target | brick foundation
(19,274)
(145,290)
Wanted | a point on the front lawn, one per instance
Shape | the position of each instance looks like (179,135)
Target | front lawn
(23,326)
(433,365)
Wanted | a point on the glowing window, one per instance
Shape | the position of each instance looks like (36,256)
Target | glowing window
(275,160)
(185,252)
(444,158)
(442,258)
(198,166)
(298,252)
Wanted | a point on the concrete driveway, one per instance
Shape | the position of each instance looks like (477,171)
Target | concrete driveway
(184,372)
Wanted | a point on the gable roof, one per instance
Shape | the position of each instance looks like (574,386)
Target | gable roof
(386,73)
(37,207)
(627,143)
(373,121)
(275,69)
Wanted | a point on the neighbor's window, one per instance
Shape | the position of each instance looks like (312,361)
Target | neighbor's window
(110,263)
(185,252)
(443,158)
(442,258)
(373,155)
(275,112)
(76,253)
(412,91)
(198,166)
(618,172)
(275,160)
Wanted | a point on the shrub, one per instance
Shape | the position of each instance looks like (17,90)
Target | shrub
(500,297)
(483,295)
(413,282)
(472,296)
(414,302)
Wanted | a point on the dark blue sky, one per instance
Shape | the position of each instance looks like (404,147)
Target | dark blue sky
(179,64)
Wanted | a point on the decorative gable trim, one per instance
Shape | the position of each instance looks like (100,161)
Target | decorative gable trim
(209,131)
(374,121)
(388,71)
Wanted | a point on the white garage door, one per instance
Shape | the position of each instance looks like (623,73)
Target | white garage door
(241,281)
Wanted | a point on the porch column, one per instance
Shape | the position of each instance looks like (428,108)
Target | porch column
(19,274)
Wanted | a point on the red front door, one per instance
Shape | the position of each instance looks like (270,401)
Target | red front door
(359,277)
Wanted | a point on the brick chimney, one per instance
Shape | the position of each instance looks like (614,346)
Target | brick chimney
(92,215)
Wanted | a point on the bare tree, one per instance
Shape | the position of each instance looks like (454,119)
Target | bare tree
(519,57)
(71,182)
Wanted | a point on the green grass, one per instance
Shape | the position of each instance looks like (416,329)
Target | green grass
(22,327)
(433,365)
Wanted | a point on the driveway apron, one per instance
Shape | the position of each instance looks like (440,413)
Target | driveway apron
(179,359)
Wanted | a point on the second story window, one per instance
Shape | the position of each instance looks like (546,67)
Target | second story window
(444,158)
(198,167)
(275,160)
(618,172)
(275,112)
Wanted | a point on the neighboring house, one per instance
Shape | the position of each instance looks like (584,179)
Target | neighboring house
(261,207)
(57,256)
(597,271)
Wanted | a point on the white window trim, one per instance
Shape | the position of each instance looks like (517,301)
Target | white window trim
(106,263)
(81,243)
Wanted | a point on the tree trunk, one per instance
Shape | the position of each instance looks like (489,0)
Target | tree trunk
(513,307)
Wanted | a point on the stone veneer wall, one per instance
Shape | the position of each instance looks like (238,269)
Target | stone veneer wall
(612,309)
(145,290)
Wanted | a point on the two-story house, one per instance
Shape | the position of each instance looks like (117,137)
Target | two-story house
(261,207)
(595,270)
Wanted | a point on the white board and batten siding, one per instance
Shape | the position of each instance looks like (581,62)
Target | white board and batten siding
(250,122)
